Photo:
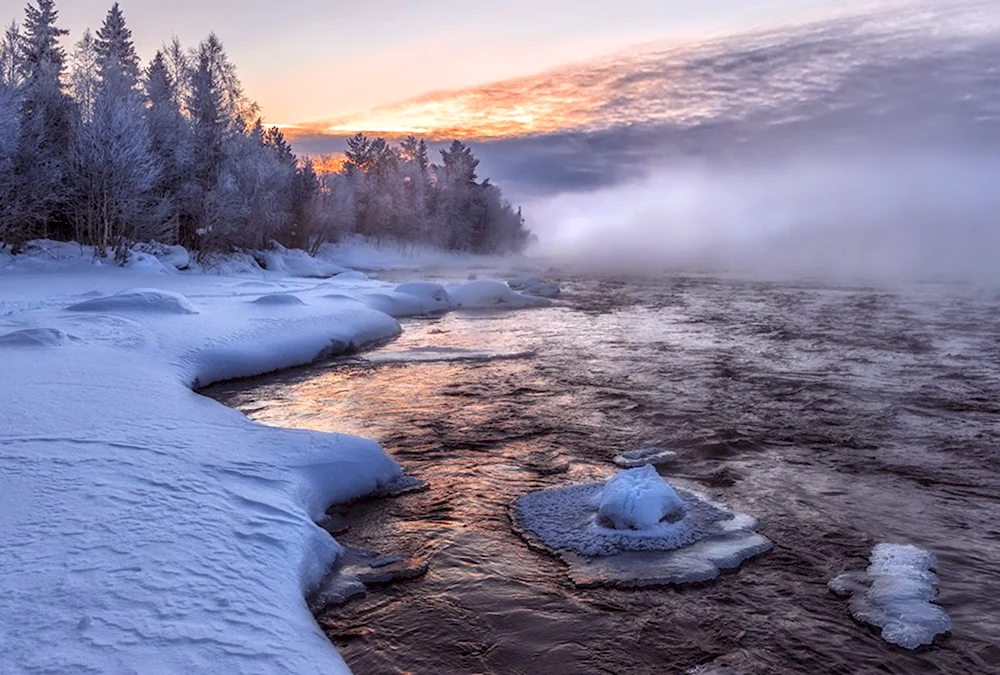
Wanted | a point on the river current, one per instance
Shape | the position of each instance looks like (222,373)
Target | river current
(841,416)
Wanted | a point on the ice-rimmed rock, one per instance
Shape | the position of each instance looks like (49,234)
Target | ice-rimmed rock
(138,300)
(633,458)
(690,542)
(895,594)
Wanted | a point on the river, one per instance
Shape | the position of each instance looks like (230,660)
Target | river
(839,415)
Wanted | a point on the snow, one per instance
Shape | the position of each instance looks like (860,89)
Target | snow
(138,300)
(633,458)
(532,285)
(145,527)
(638,499)
(707,538)
(279,299)
(895,594)
(296,263)
(490,293)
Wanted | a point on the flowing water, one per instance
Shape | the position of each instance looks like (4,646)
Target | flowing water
(840,416)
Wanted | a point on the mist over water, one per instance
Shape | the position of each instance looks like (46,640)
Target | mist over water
(866,147)
(906,215)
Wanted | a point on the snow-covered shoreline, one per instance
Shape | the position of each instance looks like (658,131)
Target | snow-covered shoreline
(143,527)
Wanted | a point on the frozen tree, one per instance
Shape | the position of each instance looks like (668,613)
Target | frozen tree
(168,141)
(45,132)
(117,62)
(114,171)
(83,75)
(10,56)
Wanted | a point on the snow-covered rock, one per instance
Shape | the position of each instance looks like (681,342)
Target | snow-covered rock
(279,299)
(633,458)
(435,295)
(491,294)
(638,499)
(531,285)
(36,337)
(298,263)
(895,594)
(138,300)
(175,256)
(705,539)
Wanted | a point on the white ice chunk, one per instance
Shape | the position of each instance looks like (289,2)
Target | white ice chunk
(638,499)
(138,300)
(895,594)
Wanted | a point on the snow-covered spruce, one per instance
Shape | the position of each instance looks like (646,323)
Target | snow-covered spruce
(636,530)
(895,594)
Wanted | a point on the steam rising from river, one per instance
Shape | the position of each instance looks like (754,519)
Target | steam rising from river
(860,148)
(907,214)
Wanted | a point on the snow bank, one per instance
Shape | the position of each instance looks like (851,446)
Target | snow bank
(434,294)
(145,527)
(138,300)
(638,499)
(700,539)
(492,294)
(895,594)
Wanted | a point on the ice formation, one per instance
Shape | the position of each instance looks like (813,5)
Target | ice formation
(638,499)
(669,536)
(895,594)
(633,458)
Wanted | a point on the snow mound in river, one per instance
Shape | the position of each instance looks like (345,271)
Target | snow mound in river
(694,539)
(895,594)
(138,300)
(489,293)
(638,499)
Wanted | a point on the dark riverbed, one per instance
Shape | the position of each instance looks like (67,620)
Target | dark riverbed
(840,416)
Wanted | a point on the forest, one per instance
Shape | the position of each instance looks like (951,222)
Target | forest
(99,149)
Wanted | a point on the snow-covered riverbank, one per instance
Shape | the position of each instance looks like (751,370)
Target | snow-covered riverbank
(143,527)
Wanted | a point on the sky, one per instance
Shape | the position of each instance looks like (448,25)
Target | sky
(309,60)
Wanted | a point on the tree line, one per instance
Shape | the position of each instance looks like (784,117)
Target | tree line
(97,149)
